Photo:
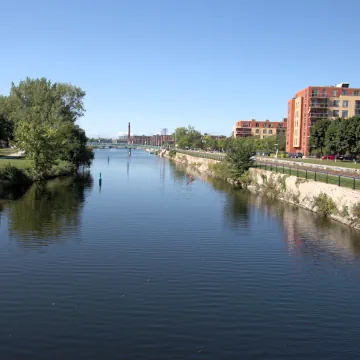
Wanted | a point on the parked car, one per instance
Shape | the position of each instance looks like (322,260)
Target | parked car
(295,155)
(349,158)
(328,157)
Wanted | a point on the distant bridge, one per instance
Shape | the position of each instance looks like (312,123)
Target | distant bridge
(102,145)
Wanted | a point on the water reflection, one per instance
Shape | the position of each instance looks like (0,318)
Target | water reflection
(308,234)
(47,211)
(304,232)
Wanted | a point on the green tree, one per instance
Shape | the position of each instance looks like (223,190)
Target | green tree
(44,115)
(76,150)
(318,135)
(6,125)
(239,156)
(331,137)
(281,141)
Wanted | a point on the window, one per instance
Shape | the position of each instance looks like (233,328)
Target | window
(323,91)
(345,103)
(257,125)
(344,92)
(357,104)
(270,131)
(357,111)
(264,125)
(257,131)
(264,131)
(314,92)
(336,103)
(334,92)
(335,113)
(345,114)
(356,93)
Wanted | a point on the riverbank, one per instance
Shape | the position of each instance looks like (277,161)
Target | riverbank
(16,172)
(332,201)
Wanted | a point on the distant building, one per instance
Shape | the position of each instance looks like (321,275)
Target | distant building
(247,128)
(158,140)
(314,103)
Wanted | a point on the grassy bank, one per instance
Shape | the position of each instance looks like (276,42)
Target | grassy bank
(338,163)
(19,163)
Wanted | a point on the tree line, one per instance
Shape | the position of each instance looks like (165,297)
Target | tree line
(189,137)
(39,117)
(340,136)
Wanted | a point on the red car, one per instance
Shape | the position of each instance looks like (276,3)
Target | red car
(328,157)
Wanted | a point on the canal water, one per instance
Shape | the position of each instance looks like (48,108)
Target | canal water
(152,266)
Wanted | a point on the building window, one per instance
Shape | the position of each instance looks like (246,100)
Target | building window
(335,113)
(357,104)
(314,92)
(334,93)
(345,103)
(323,92)
(257,125)
(270,131)
(257,131)
(357,111)
(356,93)
(336,103)
(344,92)
(345,114)
(264,125)
(264,131)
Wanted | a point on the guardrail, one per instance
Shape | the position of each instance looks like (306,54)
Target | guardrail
(326,177)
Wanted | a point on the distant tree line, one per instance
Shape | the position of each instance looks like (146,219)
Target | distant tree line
(39,117)
(340,136)
(189,137)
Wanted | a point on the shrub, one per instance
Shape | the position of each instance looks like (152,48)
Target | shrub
(14,175)
(172,154)
(344,211)
(221,170)
(62,168)
(356,211)
(245,179)
(324,205)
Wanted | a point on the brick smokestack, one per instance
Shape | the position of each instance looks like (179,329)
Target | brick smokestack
(129,127)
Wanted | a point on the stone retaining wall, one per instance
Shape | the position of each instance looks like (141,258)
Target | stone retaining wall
(297,191)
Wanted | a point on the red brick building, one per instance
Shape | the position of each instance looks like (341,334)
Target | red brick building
(246,128)
(314,103)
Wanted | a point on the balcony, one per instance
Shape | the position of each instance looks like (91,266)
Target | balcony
(313,95)
(322,115)
(319,105)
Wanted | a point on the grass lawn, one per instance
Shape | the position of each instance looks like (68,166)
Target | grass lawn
(20,163)
(345,164)
(7,151)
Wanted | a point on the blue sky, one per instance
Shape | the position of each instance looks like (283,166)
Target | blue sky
(168,63)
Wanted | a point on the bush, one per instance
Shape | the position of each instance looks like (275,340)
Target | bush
(356,211)
(324,205)
(221,170)
(14,175)
(62,168)
(246,179)
(172,154)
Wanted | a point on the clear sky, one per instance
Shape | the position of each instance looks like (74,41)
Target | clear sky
(168,63)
